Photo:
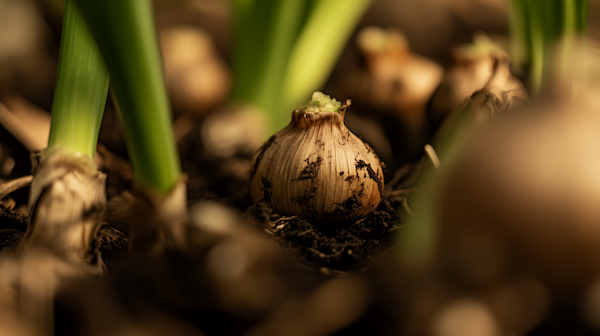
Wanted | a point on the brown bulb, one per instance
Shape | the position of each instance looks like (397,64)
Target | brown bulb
(316,168)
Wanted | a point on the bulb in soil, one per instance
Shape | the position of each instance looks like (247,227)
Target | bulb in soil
(316,167)
(528,186)
(474,66)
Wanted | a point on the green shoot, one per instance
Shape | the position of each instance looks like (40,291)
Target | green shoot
(125,33)
(319,45)
(67,198)
(81,87)
(286,49)
(264,35)
(536,25)
(321,102)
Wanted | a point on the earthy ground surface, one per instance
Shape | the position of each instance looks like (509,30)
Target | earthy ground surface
(266,275)
(330,249)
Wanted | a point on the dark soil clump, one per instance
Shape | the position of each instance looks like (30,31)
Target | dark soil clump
(261,152)
(112,243)
(13,225)
(330,248)
(311,170)
(372,175)
(113,247)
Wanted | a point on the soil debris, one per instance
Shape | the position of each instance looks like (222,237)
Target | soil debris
(372,174)
(311,170)
(113,246)
(112,243)
(261,152)
(333,248)
(266,189)
(211,177)
(13,225)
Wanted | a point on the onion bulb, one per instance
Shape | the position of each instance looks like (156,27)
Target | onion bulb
(316,168)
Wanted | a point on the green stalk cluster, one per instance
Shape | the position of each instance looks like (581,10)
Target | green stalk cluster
(286,49)
(536,25)
(126,36)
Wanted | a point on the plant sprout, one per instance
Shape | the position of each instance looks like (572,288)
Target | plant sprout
(81,87)
(295,172)
(286,49)
(155,215)
(125,33)
(67,199)
(538,24)
(318,47)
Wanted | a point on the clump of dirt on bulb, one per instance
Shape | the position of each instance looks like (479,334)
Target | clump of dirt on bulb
(332,248)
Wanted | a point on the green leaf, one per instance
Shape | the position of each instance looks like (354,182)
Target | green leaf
(319,46)
(126,35)
(81,87)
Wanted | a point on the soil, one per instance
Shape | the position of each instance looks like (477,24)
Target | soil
(13,225)
(210,177)
(354,267)
(331,248)
(113,246)
(352,247)
(180,283)
(112,243)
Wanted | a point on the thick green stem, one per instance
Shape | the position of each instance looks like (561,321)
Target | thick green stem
(249,24)
(126,35)
(265,32)
(582,14)
(81,87)
(319,45)
(279,46)
(286,49)
(537,50)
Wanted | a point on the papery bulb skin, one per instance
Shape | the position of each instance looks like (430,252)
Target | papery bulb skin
(316,168)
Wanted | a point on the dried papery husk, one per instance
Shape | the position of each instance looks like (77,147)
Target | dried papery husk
(316,168)
(67,203)
(154,222)
(474,65)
